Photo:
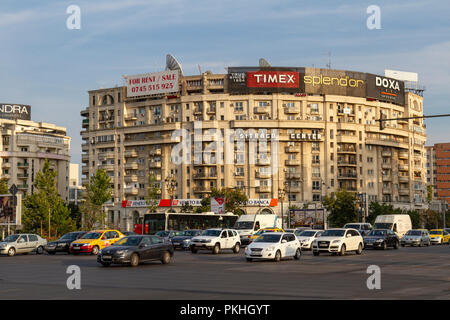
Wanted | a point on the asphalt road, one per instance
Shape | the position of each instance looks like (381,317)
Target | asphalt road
(407,273)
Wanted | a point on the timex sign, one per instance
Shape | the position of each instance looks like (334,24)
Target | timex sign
(273,79)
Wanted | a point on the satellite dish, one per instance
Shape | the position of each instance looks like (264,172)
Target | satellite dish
(263,63)
(172,63)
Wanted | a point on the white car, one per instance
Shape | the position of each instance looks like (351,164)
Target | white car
(274,245)
(338,241)
(306,237)
(216,240)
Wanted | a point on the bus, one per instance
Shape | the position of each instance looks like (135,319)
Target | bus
(155,222)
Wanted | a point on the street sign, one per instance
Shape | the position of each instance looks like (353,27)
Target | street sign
(13,189)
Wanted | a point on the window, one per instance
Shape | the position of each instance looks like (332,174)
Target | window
(314,108)
(316,197)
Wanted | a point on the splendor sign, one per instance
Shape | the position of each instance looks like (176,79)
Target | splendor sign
(15,111)
(152,83)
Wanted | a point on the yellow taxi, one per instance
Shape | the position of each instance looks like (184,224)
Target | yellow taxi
(93,241)
(264,230)
(439,236)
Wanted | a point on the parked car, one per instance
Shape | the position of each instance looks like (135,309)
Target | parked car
(418,237)
(183,241)
(129,233)
(306,237)
(399,223)
(264,230)
(289,230)
(136,249)
(338,241)
(216,239)
(439,236)
(168,234)
(363,228)
(22,243)
(92,242)
(381,238)
(274,245)
(63,243)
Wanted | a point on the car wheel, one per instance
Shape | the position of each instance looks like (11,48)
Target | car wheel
(165,257)
(359,251)
(298,254)
(236,247)
(396,246)
(216,249)
(342,252)
(249,259)
(94,250)
(193,250)
(134,260)
(316,253)
(105,264)
(11,252)
(40,250)
(384,245)
(277,256)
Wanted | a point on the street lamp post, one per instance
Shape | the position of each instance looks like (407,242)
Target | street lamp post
(281,194)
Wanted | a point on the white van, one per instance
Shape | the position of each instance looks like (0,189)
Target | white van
(399,223)
(247,225)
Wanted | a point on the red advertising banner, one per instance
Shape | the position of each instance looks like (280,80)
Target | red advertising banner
(273,79)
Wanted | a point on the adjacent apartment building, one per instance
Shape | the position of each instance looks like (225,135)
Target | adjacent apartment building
(438,170)
(25,145)
(299,134)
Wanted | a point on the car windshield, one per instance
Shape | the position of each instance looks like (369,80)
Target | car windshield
(162,234)
(414,233)
(91,235)
(69,236)
(377,233)
(211,233)
(435,232)
(241,225)
(11,238)
(333,233)
(306,233)
(128,241)
(262,231)
(269,238)
(382,226)
(190,233)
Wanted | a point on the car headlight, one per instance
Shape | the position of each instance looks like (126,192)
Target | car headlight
(186,241)
(270,249)
(121,251)
(336,241)
(380,240)
(3,245)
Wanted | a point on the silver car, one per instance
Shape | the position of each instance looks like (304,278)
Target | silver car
(22,243)
(417,237)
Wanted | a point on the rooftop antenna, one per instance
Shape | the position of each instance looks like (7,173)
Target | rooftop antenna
(172,63)
(264,63)
(329,60)
(199,69)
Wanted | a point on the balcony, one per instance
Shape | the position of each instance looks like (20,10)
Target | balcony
(386,153)
(130,117)
(292,162)
(84,147)
(155,164)
(131,154)
(261,109)
(131,166)
(107,167)
(22,176)
(22,165)
(292,149)
(293,189)
(85,123)
(155,152)
(131,178)
(84,181)
(291,110)
(263,175)
(198,111)
(263,161)
(210,110)
(23,186)
(264,189)
(292,175)
(387,178)
(387,191)
(386,166)
(202,190)
(85,157)
(205,175)
(403,191)
(403,167)
(131,190)
(6,165)
(347,176)
(84,170)
(346,163)
(6,176)
(403,155)
(346,150)
(403,179)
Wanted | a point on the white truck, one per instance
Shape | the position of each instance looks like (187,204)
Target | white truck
(249,224)
(399,223)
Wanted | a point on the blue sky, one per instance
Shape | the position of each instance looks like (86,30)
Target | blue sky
(51,68)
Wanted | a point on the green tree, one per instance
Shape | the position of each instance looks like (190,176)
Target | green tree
(97,193)
(416,220)
(75,214)
(341,207)
(4,189)
(44,210)
(429,193)
(153,193)
(186,207)
(376,209)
